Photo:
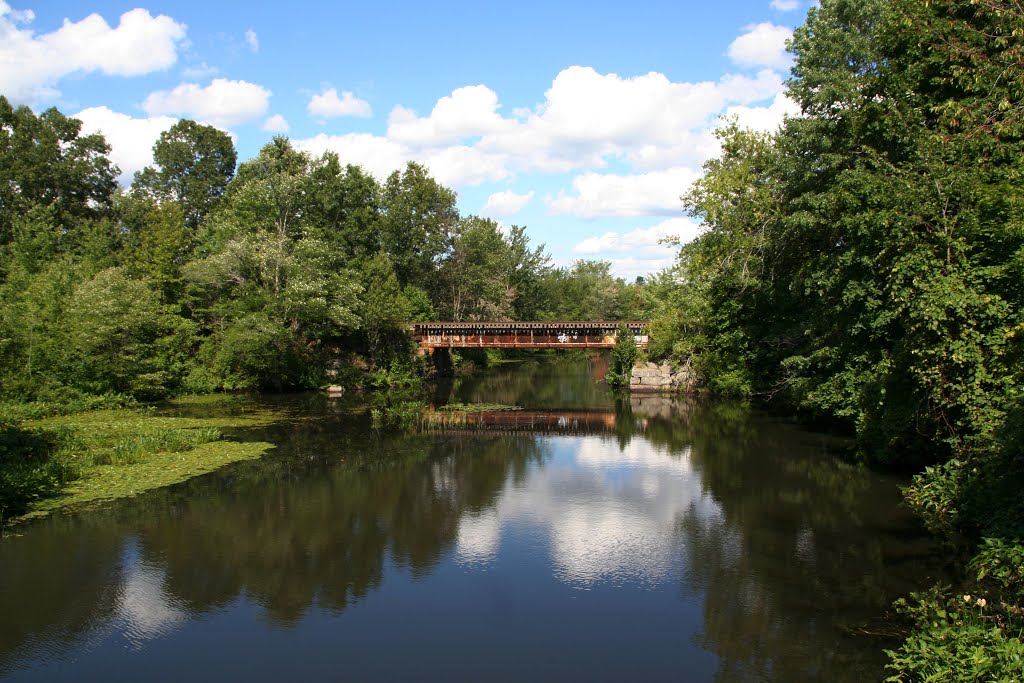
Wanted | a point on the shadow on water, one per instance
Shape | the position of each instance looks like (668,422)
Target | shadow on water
(651,538)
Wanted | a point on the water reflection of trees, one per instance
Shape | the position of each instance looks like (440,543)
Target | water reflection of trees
(796,536)
(802,538)
(56,587)
(569,383)
(290,532)
(327,541)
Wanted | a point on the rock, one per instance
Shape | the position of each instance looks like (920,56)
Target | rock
(654,377)
(335,389)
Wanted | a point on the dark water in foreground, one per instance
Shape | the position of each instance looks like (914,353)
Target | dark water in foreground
(640,541)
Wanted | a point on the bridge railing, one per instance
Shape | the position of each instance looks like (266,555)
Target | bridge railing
(552,334)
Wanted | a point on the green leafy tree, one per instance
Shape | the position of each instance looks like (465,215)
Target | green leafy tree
(383,309)
(46,161)
(585,291)
(268,278)
(624,355)
(115,328)
(193,164)
(420,220)
(344,207)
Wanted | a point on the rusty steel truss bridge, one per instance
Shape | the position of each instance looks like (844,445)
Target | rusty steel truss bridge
(526,335)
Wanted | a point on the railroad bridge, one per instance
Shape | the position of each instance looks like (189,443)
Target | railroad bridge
(525,335)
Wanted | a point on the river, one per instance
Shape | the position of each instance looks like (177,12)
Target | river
(587,539)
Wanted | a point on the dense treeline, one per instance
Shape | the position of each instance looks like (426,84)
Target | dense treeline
(201,278)
(865,265)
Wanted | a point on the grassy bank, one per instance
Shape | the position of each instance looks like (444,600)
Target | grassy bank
(47,463)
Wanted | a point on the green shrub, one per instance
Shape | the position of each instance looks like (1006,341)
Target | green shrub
(624,355)
(32,466)
(958,638)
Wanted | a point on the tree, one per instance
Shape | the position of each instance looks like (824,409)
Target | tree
(624,355)
(586,291)
(420,220)
(383,308)
(270,289)
(115,330)
(45,161)
(344,207)
(193,165)
(473,275)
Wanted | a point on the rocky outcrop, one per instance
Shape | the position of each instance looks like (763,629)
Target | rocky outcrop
(663,377)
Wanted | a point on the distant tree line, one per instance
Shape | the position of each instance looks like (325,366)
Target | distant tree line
(202,276)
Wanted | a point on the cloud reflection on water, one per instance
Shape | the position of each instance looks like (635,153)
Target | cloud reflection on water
(605,512)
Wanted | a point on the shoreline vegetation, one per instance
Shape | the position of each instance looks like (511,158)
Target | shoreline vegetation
(101,454)
(860,267)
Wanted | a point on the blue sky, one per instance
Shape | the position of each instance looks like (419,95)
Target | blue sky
(583,121)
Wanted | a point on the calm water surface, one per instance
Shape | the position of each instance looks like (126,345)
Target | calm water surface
(646,539)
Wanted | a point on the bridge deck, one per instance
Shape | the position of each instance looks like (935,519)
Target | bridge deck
(600,334)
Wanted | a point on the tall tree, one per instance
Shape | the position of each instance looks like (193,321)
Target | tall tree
(383,308)
(344,206)
(46,161)
(420,220)
(193,165)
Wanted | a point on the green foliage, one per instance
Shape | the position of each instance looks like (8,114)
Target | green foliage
(1000,563)
(419,222)
(935,494)
(194,164)
(957,638)
(624,355)
(113,326)
(586,291)
(402,373)
(854,266)
(45,162)
(384,310)
(31,467)
(134,448)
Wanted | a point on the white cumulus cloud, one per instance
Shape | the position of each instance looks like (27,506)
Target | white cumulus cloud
(762,44)
(643,240)
(252,40)
(377,155)
(275,124)
(587,120)
(131,139)
(222,103)
(608,194)
(766,119)
(640,251)
(507,203)
(467,112)
(785,5)
(464,165)
(31,65)
(327,105)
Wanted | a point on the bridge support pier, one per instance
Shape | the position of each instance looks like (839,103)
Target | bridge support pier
(442,361)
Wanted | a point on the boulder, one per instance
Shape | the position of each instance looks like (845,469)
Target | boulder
(664,377)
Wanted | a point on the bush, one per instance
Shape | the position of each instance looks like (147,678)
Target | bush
(31,467)
(958,638)
(624,355)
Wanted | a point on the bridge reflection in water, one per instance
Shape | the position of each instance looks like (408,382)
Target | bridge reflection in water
(631,417)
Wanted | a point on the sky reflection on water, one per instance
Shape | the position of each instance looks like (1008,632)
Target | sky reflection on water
(680,542)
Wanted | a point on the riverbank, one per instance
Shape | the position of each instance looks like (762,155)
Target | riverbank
(95,456)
